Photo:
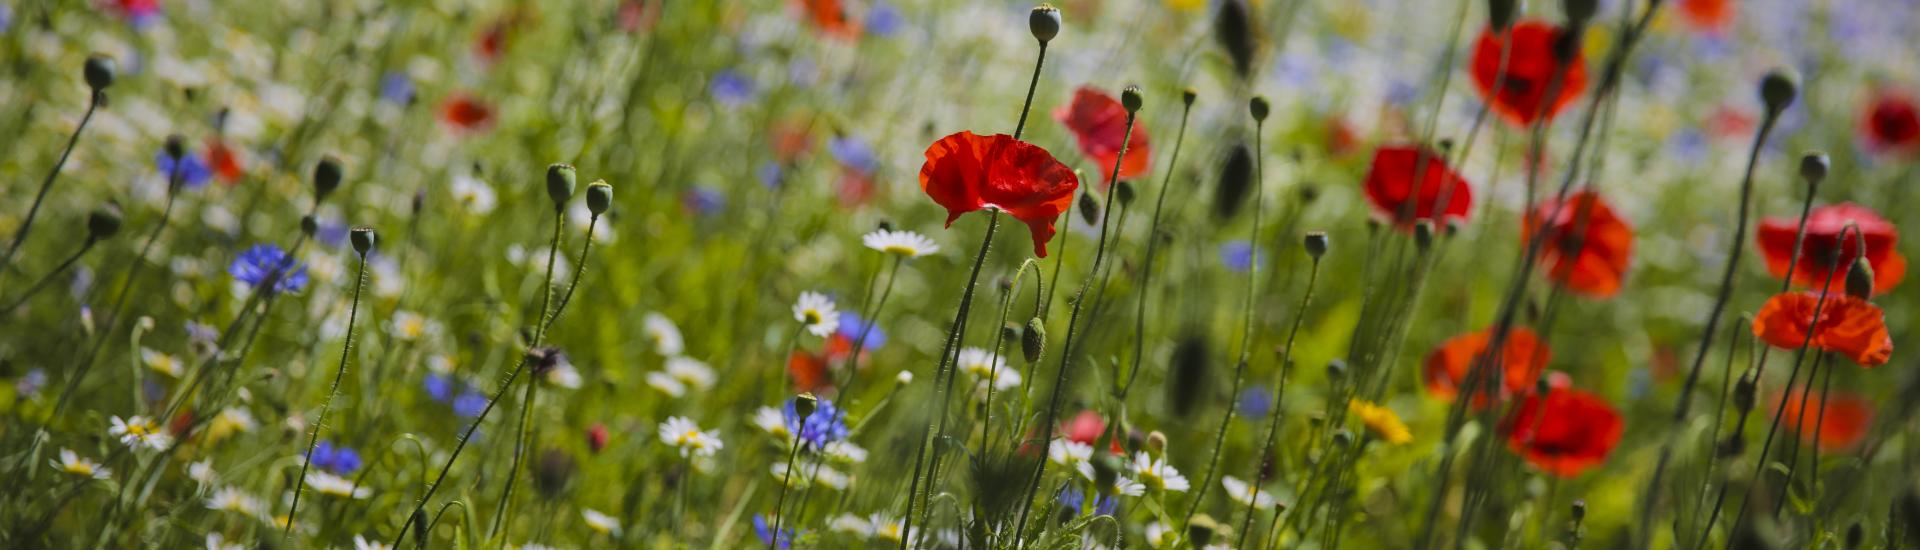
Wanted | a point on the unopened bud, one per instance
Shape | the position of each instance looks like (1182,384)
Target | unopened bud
(1500,13)
(309,225)
(1200,530)
(560,182)
(1156,443)
(1813,167)
(362,238)
(905,377)
(1259,108)
(1336,370)
(1580,11)
(1860,279)
(1130,98)
(176,149)
(1123,192)
(1033,340)
(1044,22)
(1342,438)
(1187,96)
(1777,90)
(1743,391)
(1089,208)
(1579,510)
(804,405)
(326,177)
(1316,244)
(104,221)
(99,71)
(599,197)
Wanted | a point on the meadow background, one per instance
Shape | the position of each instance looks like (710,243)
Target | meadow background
(750,145)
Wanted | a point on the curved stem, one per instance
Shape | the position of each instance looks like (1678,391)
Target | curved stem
(19,237)
(1279,393)
(526,410)
(48,278)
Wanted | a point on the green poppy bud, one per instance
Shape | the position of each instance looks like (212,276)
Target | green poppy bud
(1188,95)
(99,71)
(1033,340)
(362,238)
(1777,90)
(104,221)
(1044,21)
(1131,99)
(599,197)
(804,405)
(1259,108)
(560,182)
(326,177)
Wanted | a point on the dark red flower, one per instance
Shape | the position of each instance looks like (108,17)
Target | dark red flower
(1828,241)
(224,161)
(1565,433)
(1707,15)
(1892,122)
(1842,422)
(1407,184)
(1847,325)
(1098,120)
(831,17)
(597,437)
(965,172)
(1523,358)
(464,113)
(1587,248)
(1531,69)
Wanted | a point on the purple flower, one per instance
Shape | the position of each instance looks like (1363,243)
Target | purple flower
(339,460)
(883,20)
(29,385)
(827,424)
(193,171)
(730,88)
(853,153)
(764,529)
(396,87)
(770,174)
(1072,499)
(469,404)
(1239,255)
(851,325)
(439,387)
(705,200)
(267,264)
(1256,402)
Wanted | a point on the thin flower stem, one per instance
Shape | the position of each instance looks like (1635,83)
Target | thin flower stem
(526,411)
(1274,412)
(48,278)
(873,319)
(120,297)
(1246,332)
(785,479)
(326,404)
(19,237)
(946,355)
(1146,267)
(1799,427)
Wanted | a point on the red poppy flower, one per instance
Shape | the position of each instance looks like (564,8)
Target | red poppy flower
(1566,433)
(1531,68)
(965,172)
(1892,122)
(1847,325)
(1842,421)
(1085,428)
(1523,358)
(1591,261)
(1097,120)
(1403,172)
(638,15)
(224,161)
(1827,240)
(1707,15)
(831,17)
(597,437)
(809,371)
(465,113)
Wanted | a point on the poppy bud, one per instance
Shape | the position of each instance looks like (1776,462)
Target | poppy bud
(1258,107)
(326,177)
(1156,443)
(1089,208)
(1734,445)
(1130,98)
(1579,510)
(1777,90)
(1316,243)
(1233,29)
(98,71)
(1044,21)
(1189,375)
(176,148)
(419,200)
(1200,530)
(1580,11)
(309,225)
(1423,234)
(362,238)
(1743,393)
(419,526)
(1855,536)
(599,197)
(560,182)
(804,405)
(1813,167)
(1033,340)
(1010,331)
(1500,13)
(1188,95)
(553,473)
(1106,471)
(104,221)
(1236,181)
(597,437)
(1860,279)
(1124,192)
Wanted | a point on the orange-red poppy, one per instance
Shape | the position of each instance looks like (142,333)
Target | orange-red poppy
(224,161)
(809,371)
(1587,247)
(1828,243)
(1841,419)
(1522,358)
(965,172)
(1531,70)
(465,113)
(831,17)
(1707,15)
(1097,121)
(1892,122)
(1408,183)
(1847,325)
(1565,433)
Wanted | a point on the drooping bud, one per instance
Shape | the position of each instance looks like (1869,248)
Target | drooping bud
(1259,108)
(1316,244)
(1860,279)
(1236,182)
(1777,90)
(99,71)
(599,197)
(104,221)
(1044,22)
(326,177)
(362,238)
(804,405)
(1089,208)
(1130,98)
(1233,29)
(1813,167)
(1033,340)
(1123,192)
(560,183)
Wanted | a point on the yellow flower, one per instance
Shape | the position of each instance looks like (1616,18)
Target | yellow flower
(1381,422)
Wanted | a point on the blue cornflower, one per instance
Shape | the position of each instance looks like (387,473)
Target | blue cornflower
(266,262)
(883,20)
(469,404)
(770,173)
(731,88)
(395,87)
(1071,499)
(828,423)
(764,529)
(337,459)
(854,153)
(193,171)
(851,324)
(1256,402)
(439,387)
(705,200)
(29,385)
(1239,255)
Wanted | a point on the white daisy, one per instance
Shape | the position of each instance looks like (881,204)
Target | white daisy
(600,523)
(476,195)
(139,431)
(410,326)
(202,472)
(666,383)
(1121,485)
(1157,474)
(231,420)
(229,499)
(361,543)
(70,462)
(565,376)
(887,529)
(770,420)
(217,542)
(161,362)
(1069,453)
(815,311)
(985,367)
(683,434)
(692,372)
(808,474)
(900,243)
(1246,494)
(665,336)
(1156,535)
(849,523)
(329,484)
(845,452)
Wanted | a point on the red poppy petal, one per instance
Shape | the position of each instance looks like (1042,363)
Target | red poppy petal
(1530,70)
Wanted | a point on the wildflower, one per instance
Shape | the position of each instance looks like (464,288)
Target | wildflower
(161,362)
(1157,474)
(476,195)
(664,335)
(470,403)
(849,523)
(852,328)
(1069,453)
(329,484)
(826,425)
(1121,485)
(190,169)
(340,460)
(1828,243)
(830,16)
(1156,535)
(666,383)
(597,437)
(1565,432)
(1847,325)
(1238,255)
(70,462)
(683,434)
(692,372)
(853,153)
(965,172)
(1407,183)
(563,375)
(1706,15)
(1381,422)
(202,472)
(1592,262)
(888,529)
(1892,123)
(465,114)
(1522,358)
(229,499)
(906,244)
(817,313)
(396,88)
(770,420)
(1841,419)
(988,368)
(730,88)
(1097,120)
(1072,499)
(140,431)
(1531,68)
(267,264)
(1256,401)
(214,540)
(1247,494)
(410,326)
(231,420)
(225,162)
(845,452)
(805,475)
(599,522)
(361,543)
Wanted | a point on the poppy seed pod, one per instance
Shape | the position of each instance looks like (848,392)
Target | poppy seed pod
(362,238)
(98,71)
(599,197)
(1579,510)
(1188,95)
(1777,90)
(1258,107)
(560,181)
(1190,373)
(1233,29)
(1580,11)
(1236,182)
(1200,530)
(309,225)
(1044,22)
(804,405)
(104,221)
(1131,99)
(1500,13)
(326,177)
(1813,167)
(1033,340)
(1123,191)
(1316,243)
(1860,279)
